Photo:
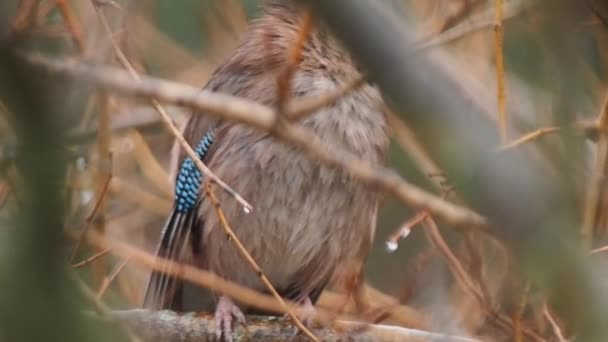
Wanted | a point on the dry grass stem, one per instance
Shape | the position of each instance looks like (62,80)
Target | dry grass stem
(107,280)
(294,55)
(104,159)
(71,22)
(554,326)
(596,181)
(500,72)
(254,265)
(91,258)
(528,137)
(478,22)
(89,220)
(519,313)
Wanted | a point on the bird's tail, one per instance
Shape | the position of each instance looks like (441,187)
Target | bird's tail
(164,290)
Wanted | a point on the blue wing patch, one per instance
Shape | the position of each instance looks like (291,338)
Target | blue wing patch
(189,178)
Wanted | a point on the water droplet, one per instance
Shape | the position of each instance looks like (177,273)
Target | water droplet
(391,246)
(405,232)
(86,197)
(81,164)
(246,210)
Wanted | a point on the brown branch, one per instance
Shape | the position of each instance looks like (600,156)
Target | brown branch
(199,277)
(262,117)
(89,220)
(597,179)
(392,243)
(184,271)
(500,71)
(26,16)
(294,56)
(230,233)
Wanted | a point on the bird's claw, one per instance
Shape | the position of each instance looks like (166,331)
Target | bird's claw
(225,312)
(306,314)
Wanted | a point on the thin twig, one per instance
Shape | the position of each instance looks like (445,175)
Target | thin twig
(107,281)
(262,117)
(500,71)
(167,119)
(91,258)
(91,216)
(104,158)
(528,137)
(392,242)
(478,22)
(71,22)
(599,250)
(467,283)
(556,328)
(230,233)
(294,57)
(595,185)
(460,274)
(26,16)
(519,313)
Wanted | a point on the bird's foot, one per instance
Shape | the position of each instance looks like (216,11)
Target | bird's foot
(225,312)
(306,313)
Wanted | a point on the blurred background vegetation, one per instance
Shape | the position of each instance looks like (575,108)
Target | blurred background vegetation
(117,148)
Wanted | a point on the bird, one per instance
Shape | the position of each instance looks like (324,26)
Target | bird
(310,221)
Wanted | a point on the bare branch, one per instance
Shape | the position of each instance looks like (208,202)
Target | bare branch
(168,326)
(262,117)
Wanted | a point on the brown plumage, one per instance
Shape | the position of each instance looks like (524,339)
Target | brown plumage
(309,220)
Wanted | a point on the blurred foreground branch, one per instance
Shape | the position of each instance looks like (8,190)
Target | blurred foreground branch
(167,326)
(262,117)
(532,202)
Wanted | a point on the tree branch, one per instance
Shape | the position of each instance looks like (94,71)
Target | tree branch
(168,326)
(261,117)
